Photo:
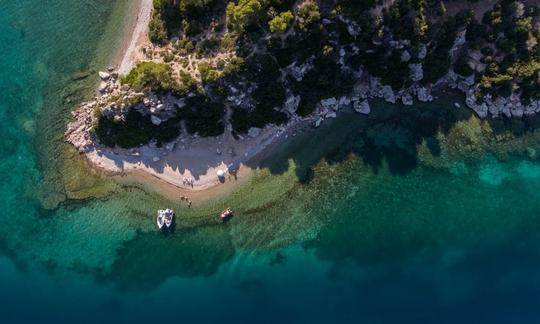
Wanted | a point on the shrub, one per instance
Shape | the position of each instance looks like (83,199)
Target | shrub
(150,75)
(156,29)
(208,73)
(308,14)
(281,22)
(246,12)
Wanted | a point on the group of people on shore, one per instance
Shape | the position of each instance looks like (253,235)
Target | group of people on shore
(188,182)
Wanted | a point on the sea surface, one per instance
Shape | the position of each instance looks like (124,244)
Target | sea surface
(417,214)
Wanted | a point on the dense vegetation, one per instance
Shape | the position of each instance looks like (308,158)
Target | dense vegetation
(135,130)
(337,39)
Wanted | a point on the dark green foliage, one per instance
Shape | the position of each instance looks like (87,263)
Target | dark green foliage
(135,131)
(354,8)
(244,13)
(269,95)
(150,75)
(208,73)
(203,116)
(462,68)
(157,32)
(324,81)
(394,72)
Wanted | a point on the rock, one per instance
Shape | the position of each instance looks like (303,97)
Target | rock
(407,99)
(155,120)
(423,95)
(292,103)
(329,103)
(416,72)
(254,132)
(388,94)
(362,107)
(170,146)
(318,122)
(458,43)
(481,110)
(331,114)
(457,105)
(422,51)
(103,86)
(470,80)
(470,101)
(405,56)
(353,28)
(156,159)
(218,151)
(104,75)
(344,102)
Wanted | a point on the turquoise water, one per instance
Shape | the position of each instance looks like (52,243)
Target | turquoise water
(372,220)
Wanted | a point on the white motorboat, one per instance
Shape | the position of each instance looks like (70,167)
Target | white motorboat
(169,215)
(165,218)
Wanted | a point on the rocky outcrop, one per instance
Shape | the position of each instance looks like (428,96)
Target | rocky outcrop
(416,73)
(362,106)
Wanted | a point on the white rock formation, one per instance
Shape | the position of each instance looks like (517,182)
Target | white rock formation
(362,107)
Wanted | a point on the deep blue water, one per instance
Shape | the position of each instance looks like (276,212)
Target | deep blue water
(368,235)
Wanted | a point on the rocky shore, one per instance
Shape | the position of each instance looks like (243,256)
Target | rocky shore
(193,157)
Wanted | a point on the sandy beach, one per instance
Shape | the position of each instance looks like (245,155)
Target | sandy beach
(190,164)
(136,38)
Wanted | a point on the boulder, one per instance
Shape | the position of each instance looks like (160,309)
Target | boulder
(405,56)
(331,114)
(156,159)
(422,51)
(481,110)
(254,132)
(155,120)
(344,102)
(329,103)
(292,103)
(407,99)
(423,95)
(416,73)
(388,94)
(103,86)
(362,107)
(104,75)
(318,122)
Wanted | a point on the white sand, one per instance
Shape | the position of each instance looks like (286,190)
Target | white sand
(138,38)
(192,157)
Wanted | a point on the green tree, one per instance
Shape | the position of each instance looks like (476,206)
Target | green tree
(281,22)
(150,75)
(308,14)
(156,29)
(241,15)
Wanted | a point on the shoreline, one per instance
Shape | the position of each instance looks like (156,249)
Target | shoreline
(194,164)
(136,38)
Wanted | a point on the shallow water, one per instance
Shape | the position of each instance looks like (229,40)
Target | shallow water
(382,219)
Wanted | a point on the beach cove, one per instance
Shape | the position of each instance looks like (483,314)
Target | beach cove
(376,217)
